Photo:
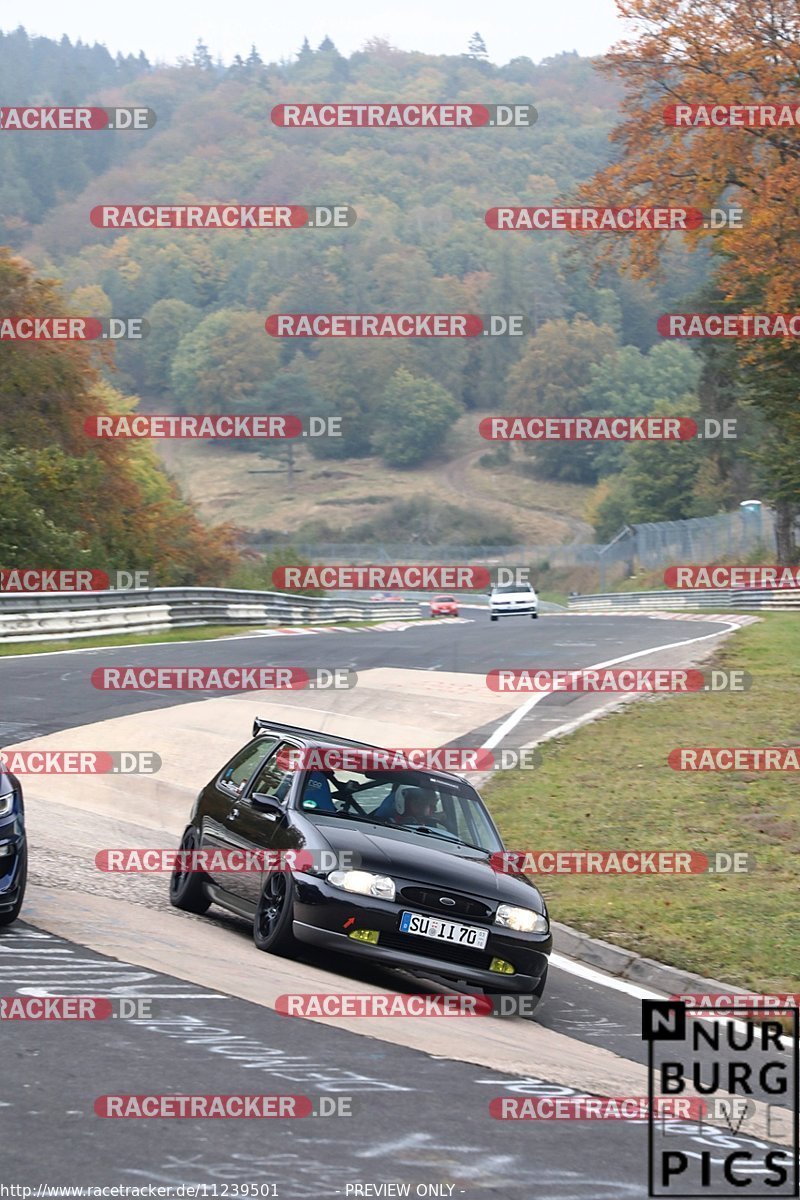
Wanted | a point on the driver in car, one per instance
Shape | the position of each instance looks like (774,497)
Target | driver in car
(420,807)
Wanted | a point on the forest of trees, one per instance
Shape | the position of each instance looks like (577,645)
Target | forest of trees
(420,244)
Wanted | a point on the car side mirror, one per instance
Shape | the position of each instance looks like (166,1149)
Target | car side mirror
(266,803)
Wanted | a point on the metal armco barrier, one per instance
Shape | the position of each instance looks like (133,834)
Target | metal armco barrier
(59,615)
(711,599)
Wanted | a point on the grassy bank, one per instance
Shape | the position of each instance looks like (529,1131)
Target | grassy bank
(608,786)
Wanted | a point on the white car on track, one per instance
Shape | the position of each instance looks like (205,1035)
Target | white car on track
(513,600)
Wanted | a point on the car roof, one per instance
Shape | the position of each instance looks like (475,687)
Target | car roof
(311,737)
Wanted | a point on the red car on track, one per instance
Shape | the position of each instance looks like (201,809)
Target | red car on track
(444,606)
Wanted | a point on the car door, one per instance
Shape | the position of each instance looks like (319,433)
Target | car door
(257,820)
(221,796)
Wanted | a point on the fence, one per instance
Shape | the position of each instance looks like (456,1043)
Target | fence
(713,600)
(47,617)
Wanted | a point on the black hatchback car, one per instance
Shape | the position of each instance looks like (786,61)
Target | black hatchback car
(13,847)
(401,869)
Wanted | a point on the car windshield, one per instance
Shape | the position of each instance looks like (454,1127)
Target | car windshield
(449,810)
(503,588)
(443,600)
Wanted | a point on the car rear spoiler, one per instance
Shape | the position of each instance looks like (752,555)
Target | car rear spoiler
(261,723)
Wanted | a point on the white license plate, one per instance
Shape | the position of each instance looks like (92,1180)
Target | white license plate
(443,931)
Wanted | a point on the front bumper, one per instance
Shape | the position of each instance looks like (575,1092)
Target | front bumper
(325,915)
(513,610)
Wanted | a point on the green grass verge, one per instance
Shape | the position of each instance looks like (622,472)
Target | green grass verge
(608,786)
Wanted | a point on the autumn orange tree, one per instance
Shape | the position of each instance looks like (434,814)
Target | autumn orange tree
(67,500)
(721,52)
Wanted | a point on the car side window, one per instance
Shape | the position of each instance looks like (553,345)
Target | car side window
(243,764)
(273,779)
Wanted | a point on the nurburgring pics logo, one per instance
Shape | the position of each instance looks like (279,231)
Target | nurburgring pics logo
(758,577)
(222,679)
(77,579)
(69,119)
(734,758)
(72,329)
(81,762)
(397,325)
(618,679)
(729,325)
(222,216)
(403,115)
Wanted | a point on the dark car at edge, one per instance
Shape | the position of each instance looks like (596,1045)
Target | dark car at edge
(13,847)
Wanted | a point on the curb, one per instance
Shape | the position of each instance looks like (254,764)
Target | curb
(626,964)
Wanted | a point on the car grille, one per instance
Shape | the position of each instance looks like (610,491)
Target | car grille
(431,898)
(464,956)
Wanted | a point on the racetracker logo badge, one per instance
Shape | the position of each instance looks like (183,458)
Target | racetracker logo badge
(587,429)
(168,425)
(396,325)
(729,325)
(195,1107)
(72,329)
(588,220)
(387,1004)
(74,1008)
(599,862)
(752,116)
(37,580)
(762,578)
(240,862)
(735,758)
(418,578)
(417,758)
(594,1108)
(402,115)
(222,216)
(69,119)
(81,762)
(618,679)
(221,679)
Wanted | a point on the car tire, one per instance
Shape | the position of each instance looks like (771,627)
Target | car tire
(492,617)
(6,918)
(535,616)
(535,995)
(187,888)
(272,923)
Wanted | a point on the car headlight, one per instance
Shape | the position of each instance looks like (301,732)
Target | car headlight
(363,883)
(523,920)
(6,803)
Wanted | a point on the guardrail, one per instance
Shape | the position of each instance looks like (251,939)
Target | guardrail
(748,599)
(60,615)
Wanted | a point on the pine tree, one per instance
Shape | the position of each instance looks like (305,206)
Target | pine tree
(477,48)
